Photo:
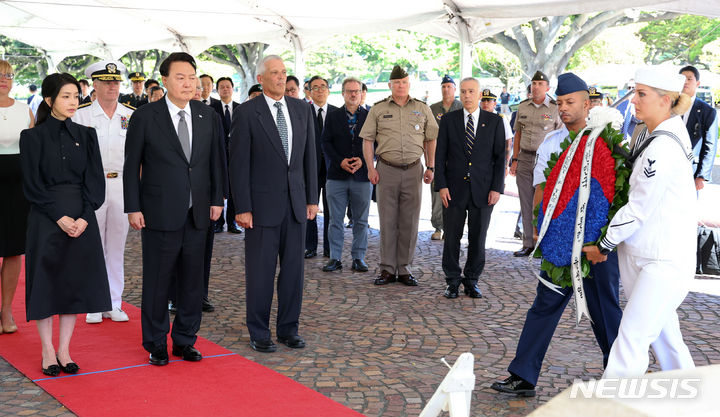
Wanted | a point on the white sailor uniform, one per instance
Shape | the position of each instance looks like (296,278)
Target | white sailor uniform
(655,233)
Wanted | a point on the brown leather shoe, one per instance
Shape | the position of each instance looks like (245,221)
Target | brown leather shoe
(385,278)
(408,280)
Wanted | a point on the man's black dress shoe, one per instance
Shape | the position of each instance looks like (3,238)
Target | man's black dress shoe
(263,345)
(293,342)
(408,280)
(332,265)
(310,253)
(218,228)
(385,278)
(207,305)
(359,265)
(523,252)
(159,357)
(52,370)
(517,234)
(70,368)
(451,291)
(234,229)
(188,353)
(172,307)
(472,290)
(515,385)
(326,253)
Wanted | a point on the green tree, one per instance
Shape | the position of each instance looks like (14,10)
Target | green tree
(142,60)
(75,65)
(680,40)
(28,62)
(495,61)
(242,57)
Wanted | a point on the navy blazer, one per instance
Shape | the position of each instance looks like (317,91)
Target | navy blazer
(487,172)
(152,148)
(700,120)
(321,169)
(339,143)
(261,180)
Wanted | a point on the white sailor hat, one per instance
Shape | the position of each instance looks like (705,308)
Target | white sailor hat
(662,78)
(107,70)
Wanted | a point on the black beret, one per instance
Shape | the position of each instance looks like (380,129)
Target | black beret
(398,73)
(540,76)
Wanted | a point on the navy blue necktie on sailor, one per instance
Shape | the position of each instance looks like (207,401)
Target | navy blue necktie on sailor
(282,127)
(469,142)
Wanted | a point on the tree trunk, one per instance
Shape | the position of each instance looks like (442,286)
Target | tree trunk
(244,62)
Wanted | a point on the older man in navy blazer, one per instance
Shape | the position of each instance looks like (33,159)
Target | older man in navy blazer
(469,176)
(273,180)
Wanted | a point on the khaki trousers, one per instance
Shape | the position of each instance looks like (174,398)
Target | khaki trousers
(524,181)
(399,194)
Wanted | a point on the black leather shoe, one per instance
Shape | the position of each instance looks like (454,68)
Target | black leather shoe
(408,280)
(326,253)
(159,357)
(518,234)
(70,368)
(472,290)
(207,305)
(188,353)
(359,265)
(52,370)
(266,346)
(523,252)
(310,253)
(172,307)
(332,265)
(451,291)
(293,342)
(349,225)
(515,385)
(234,229)
(385,278)
(218,228)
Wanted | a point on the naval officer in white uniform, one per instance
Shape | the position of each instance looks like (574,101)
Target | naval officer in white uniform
(110,119)
(655,232)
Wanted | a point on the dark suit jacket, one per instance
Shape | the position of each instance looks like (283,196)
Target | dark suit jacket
(321,169)
(153,148)
(260,177)
(338,143)
(219,107)
(700,119)
(487,172)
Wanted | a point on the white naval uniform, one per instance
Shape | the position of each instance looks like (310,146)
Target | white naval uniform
(656,236)
(112,220)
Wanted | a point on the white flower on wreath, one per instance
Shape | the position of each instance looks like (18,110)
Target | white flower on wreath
(601,116)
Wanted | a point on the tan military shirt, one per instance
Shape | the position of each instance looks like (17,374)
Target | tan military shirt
(400,131)
(535,122)
(438,110)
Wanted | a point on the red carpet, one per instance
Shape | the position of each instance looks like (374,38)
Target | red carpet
(116,380)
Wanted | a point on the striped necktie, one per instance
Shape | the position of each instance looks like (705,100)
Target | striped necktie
(469,135)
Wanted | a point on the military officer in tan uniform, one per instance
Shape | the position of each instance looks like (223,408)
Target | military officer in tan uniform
(404,130)
(536,117)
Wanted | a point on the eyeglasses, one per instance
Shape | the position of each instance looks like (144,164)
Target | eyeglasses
(319,88)
(353,91)
(9,75)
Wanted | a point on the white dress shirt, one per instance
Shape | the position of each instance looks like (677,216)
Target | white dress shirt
(324,112)
(273,110)
(174,110)
(475,116)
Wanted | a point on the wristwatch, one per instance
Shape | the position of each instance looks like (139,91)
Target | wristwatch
(431,168)
(604,251)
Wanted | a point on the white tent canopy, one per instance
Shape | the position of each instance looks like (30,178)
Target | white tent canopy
(110,28)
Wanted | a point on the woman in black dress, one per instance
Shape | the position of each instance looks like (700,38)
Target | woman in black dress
(15,116)
(63,181)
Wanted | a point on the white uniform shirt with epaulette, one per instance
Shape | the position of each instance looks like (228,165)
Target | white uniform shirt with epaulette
(111,132)
(551,144)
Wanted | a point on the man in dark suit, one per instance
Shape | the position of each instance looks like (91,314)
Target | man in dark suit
(206,82)
(175,143)
(273,178)
(469,177)
(224,107)
(319,91)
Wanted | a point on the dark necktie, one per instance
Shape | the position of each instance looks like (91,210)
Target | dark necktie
(469,135)
(320,119)
(205,100)
(282,127)
(227,115)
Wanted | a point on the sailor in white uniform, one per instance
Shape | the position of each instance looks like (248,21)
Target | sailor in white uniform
(655,232)
(110,119)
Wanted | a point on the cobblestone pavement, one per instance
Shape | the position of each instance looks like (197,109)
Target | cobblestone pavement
(377,349)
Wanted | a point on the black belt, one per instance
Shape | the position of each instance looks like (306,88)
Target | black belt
(401,166)
(528,152)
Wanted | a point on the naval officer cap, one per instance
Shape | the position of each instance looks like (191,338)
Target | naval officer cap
(487,95)
(447,79)
(136,76)
(594,93)
(398,73)
(107,70)
(664,79)
(540,76)
(569,83)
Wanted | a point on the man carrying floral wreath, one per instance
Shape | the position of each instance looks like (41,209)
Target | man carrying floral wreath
(600,288)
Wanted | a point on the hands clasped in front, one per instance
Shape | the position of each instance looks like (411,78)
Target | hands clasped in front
(73,228)
(351,165)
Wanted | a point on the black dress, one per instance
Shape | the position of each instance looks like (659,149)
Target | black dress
(63,176)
